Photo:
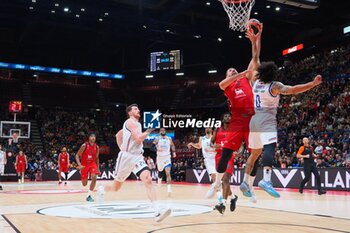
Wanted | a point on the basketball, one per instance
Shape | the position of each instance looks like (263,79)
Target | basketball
(254,25)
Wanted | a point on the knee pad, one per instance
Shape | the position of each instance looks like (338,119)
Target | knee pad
(225,157)
(255,168)
(268,154)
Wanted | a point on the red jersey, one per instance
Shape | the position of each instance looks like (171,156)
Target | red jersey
(89,154)
(241,98)
(21,160)
(220,139)
(63,158)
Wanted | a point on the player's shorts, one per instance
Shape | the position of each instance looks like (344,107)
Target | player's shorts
(263,130)
(20,168)
(63,168)
(2,168)
(89,168)
(230,165)
(163,162)
(209,163)
(128,163)
(238,130)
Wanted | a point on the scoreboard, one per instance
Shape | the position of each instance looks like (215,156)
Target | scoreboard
(170,60)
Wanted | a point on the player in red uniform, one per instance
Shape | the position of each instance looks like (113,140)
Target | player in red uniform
(238,89)
(218,140)
(89,164)
(21,165)
(63,164)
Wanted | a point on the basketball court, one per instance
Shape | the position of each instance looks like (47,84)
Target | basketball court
(47,207)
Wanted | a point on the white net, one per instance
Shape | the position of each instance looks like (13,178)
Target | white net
(238,13)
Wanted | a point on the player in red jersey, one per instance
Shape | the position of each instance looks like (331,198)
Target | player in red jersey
(21,165)
(237,87)
(218,140)
(89,164)
(63,164)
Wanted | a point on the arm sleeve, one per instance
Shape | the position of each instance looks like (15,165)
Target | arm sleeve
(301,150)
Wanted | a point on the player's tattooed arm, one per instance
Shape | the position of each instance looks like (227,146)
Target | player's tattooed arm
(280,88)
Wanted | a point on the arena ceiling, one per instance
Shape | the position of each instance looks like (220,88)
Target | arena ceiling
(117,35)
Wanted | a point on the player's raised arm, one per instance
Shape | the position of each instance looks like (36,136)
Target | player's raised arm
(231,78)
(119,138)
(256,49)
(280,88)
(138,137)
(78,155)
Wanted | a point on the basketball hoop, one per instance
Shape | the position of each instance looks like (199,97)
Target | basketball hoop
(238,12)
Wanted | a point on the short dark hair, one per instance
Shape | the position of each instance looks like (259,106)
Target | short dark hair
(129,108)
(268,72)
(224,114)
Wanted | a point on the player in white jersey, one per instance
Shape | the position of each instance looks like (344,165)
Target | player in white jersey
(164,144)
(263,125)
(130,158)
(207,151)
(2,162)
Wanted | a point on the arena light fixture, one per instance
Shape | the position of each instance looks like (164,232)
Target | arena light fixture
(53,12)
(240,37)
(180,74)
(98,81)
(31,8)
(77,16)
(167,30)
(149,76)
(212,71)
(278,8)
(82,9)
(106,14)
(66,9)
(220,39)
(33,1)
(144,26)
(197,36)
(208,3)
(268,6)
(100,19)
(56,4)
(256,13)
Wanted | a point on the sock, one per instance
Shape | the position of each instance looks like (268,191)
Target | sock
(251,182)
(89,193)
(219,195)
(22,179)
(225,201)
(218,178)
(267,174)
(155,207)
(246,178)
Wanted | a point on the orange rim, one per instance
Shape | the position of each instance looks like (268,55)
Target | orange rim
(235,1)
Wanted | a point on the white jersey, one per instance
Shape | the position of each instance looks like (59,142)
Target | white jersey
(207,150)
(264,101)
(129,144)
(163,146)
(2,157)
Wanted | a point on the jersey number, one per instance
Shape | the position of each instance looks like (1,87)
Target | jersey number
(258,102)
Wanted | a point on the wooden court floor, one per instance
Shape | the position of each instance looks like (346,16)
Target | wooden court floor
(47,207)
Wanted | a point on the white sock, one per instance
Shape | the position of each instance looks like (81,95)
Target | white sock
(267,174)
(246,178)
(251,182)
(219,195)
(89,193)
(218,178)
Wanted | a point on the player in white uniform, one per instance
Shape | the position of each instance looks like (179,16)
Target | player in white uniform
(263,125)
(207,151)
(164,144)
(130,158)
(2,162)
